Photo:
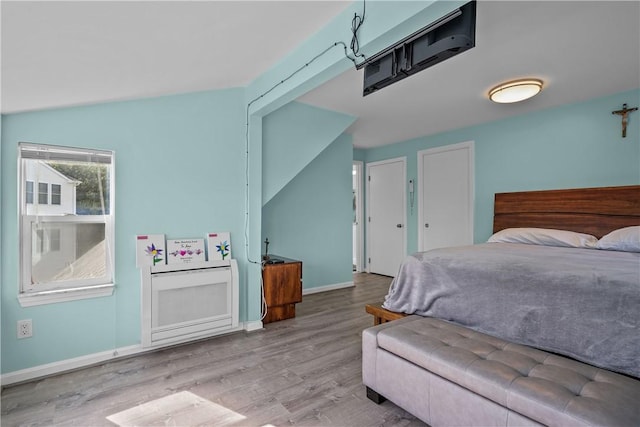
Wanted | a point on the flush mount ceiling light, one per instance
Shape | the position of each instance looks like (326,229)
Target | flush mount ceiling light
(515,91)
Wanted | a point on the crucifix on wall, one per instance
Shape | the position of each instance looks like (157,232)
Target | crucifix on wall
(625,117)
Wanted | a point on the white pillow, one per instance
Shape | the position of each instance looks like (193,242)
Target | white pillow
(545,237)
(623,239)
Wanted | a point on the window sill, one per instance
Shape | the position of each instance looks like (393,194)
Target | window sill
(52,297)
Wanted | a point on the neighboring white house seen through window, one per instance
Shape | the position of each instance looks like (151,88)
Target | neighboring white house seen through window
(67,231)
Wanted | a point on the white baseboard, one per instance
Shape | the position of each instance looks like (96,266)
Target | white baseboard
(253,325)
(53,368)
(327,288)
(68,364)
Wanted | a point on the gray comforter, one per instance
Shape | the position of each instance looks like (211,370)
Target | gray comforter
(583,303)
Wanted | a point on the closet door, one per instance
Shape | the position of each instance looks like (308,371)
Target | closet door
(445,204)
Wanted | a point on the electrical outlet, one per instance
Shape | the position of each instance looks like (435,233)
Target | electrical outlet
(25,329)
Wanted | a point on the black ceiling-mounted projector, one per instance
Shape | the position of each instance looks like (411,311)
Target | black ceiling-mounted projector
(446,37)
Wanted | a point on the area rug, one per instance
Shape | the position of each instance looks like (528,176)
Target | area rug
(179,409)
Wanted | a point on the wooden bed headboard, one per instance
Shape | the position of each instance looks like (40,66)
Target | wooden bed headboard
(595,211)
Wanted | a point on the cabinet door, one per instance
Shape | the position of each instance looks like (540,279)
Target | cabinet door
(282,284)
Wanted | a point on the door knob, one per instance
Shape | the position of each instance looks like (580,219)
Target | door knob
(426,225)
(399,225)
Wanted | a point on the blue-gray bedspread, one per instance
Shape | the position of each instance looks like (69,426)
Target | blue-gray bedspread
(583,303)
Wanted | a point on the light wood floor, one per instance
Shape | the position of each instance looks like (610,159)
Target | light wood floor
(302,371)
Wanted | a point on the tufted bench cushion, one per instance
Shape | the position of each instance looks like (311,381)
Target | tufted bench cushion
(546,388)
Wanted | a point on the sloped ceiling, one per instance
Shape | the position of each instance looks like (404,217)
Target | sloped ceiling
(57,54)
(67,53)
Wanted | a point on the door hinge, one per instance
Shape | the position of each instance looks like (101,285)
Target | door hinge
(369,260)
(369,219)
(369,177)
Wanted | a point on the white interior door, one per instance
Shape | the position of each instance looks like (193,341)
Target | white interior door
(358,237)
(446,196)
(386,216)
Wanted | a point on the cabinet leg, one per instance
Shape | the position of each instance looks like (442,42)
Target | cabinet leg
(280,312)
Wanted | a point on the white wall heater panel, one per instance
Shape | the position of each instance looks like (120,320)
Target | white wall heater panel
(186,302)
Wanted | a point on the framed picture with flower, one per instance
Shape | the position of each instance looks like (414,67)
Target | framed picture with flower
(219,246)
(150,250)
(184,251)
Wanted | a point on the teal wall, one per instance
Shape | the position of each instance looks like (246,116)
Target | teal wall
(310,219)
(571,146)
(293,136)
(359,154)
(179,171)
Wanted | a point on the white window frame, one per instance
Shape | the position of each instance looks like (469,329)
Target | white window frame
(69,290)
(29,193)
(54,236)
(41,193)
(56,201)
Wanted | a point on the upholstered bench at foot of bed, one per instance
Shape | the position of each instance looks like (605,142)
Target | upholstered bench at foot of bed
(450,375)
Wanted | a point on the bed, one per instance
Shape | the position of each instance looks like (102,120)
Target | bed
(489,325)
(579,301)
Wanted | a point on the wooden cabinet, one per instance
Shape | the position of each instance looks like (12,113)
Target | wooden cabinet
(282,289)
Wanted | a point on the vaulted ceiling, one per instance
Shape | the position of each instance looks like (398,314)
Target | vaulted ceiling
(57,54)
(64,53)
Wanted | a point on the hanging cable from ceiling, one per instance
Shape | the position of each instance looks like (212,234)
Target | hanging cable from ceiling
(356,23)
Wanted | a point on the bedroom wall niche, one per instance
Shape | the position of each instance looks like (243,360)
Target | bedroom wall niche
(307,189)
(310,219)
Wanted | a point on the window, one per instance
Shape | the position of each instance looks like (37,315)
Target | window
(39,246)
(54,239)
(56,194)
(43,193)
(67,242)
(29,192)
(46,240)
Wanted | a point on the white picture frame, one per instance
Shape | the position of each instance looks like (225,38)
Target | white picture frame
(185,251)
(219,244)
(150,250)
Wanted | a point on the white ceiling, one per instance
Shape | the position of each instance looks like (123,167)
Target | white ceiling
(64,53)
(57,54)
(580,49)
